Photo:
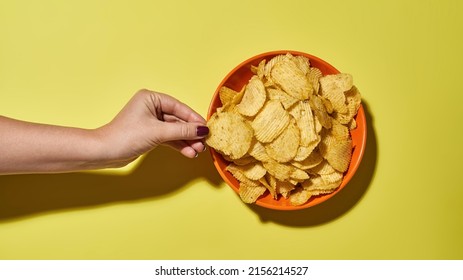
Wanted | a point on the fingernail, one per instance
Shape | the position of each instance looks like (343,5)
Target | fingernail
(202,131)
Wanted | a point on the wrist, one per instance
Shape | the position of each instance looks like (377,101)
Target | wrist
(105,152)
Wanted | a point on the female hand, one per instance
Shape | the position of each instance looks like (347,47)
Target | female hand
(150,119)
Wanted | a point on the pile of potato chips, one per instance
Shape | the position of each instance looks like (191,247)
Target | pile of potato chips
(287,131)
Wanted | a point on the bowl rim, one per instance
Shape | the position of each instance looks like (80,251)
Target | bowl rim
(358,146)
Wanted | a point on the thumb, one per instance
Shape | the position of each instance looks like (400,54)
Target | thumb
(181,131)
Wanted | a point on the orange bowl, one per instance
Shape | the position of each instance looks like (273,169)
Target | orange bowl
(240,76)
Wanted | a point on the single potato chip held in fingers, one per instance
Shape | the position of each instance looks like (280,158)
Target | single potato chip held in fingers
(229,134)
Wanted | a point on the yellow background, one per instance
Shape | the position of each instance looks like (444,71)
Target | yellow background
(77,63)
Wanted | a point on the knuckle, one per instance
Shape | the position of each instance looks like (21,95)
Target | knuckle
(186,131)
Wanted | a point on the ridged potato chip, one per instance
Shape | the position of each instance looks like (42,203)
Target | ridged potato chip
(270,121)
(313,76)
(299,196)
(284,188)
(337,152)
(319,184)
(226,95)
(253,99)
(246,159)
(333,88)
(353,100)
(323,168)
(319,110)
(298,175)
(302,63)
(277,94)
(269,182)
(257,151)
(303,115)
(253,171)
(238,173)
(250,193)
(230,134)
(311,161)
(272,62)
(259,69)
(278,170)
(291,79)
(285,146)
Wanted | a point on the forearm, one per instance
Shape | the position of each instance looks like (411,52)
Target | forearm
(38,148)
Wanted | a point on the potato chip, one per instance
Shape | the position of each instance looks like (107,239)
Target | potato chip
(229,134)
(230,106)
(238,173)
(352,124)
(353,101)
(298,175)
(304,152)
(249,193)
(226,95)
(257,151)
(253,171)
(259,69)
(333,88)
(285,146)
(305,122)
(332,178)
(302,63)
(311,161)
(277,94)
(339,131)
(270,121)
(269,66)
(323,168)
(291,79)
(270,184)
(337,152)
(284,188)
(313,76)
(246,159)
(319,110)
(280,171)
(328,105)
(331,91)
(299,196)
(322,183)
(254,97)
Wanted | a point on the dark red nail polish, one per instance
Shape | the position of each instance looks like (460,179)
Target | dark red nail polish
(202,131)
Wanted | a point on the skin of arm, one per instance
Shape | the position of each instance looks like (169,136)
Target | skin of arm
(149,119)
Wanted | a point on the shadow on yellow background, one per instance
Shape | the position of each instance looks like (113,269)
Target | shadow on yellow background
(339,204)
(160,173)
